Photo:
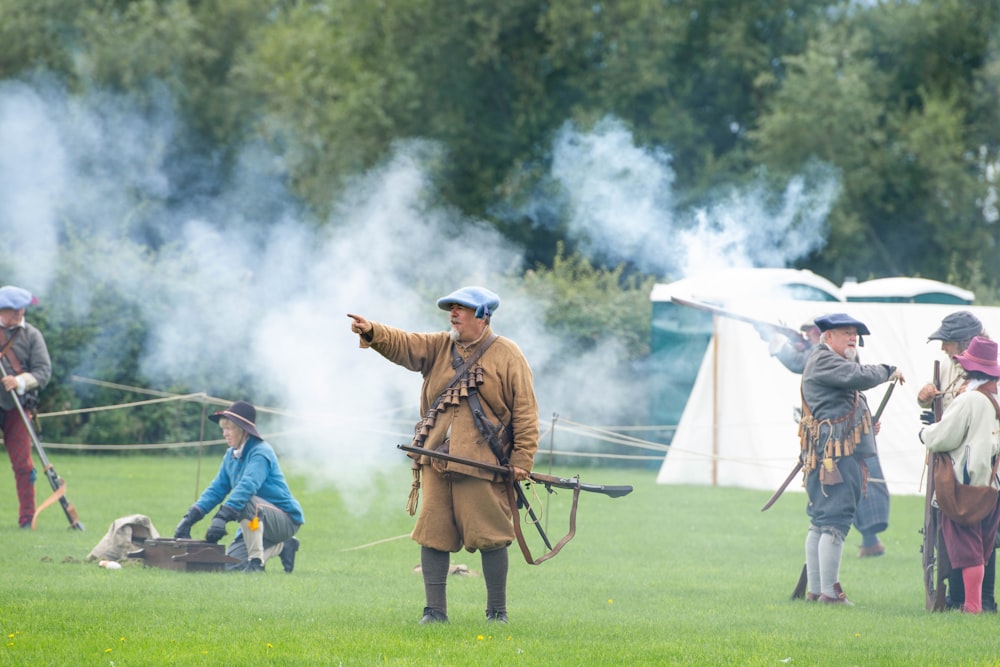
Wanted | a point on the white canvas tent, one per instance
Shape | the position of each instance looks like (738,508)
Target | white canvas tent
(738,427)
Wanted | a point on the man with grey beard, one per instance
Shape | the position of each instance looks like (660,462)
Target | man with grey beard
(836,434)
(476,385)
(872,515)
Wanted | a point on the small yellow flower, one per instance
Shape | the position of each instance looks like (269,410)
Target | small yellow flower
(480,638)
(108,650)
(611,601)
(269,646)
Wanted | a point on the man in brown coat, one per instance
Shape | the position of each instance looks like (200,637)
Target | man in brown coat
(464,506)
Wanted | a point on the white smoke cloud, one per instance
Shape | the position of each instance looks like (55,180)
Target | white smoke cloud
(27,195)
(244,285)
(240,290)
(622,208)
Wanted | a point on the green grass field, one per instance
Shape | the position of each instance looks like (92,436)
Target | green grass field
(667,575)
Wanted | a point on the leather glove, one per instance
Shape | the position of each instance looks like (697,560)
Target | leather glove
(193,516)
(217,529)
(927,416)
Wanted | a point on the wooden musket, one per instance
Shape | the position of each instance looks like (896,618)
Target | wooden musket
(55,481)
(790,333)
(933,556)
(517,499)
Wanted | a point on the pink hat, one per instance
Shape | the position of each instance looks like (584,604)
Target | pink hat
(981,355)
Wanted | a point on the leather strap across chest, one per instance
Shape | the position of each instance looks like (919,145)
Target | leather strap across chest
(6,352)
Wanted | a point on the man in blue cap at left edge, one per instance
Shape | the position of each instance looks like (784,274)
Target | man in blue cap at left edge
(27,368)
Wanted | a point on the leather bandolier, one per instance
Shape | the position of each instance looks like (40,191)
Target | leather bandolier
(468,374)
(843,438)
(451,397)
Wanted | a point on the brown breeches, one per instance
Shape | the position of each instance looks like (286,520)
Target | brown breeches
(459,511)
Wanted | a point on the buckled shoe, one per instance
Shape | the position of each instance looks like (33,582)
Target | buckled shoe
(839,597)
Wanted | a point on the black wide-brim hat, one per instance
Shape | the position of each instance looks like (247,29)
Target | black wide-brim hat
(241,413)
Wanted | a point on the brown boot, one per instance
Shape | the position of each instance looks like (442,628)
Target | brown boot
(840,597)
(873,551)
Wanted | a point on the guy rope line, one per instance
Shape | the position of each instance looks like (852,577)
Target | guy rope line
(376,542)
(117,406)
(565,425)
(610,436)
(202,396)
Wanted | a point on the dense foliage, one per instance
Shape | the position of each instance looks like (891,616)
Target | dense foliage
(899,96)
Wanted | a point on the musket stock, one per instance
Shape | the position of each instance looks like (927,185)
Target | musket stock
(611,491)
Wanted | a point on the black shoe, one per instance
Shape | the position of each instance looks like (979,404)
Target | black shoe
(288,553)
(433,616)
(496,616)
(255,565)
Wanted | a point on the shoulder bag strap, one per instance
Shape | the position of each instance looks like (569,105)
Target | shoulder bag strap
(996,408)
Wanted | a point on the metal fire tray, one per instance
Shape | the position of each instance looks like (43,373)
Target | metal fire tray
(187,555)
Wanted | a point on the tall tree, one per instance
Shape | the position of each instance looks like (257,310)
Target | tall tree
(895,121)
(342,81)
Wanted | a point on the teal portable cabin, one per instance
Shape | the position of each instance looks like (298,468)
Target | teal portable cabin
(906,290)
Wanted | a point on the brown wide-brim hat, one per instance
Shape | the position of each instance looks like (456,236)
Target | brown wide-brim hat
(981,355)
(241,413)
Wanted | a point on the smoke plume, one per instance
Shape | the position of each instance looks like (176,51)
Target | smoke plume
(243,286)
